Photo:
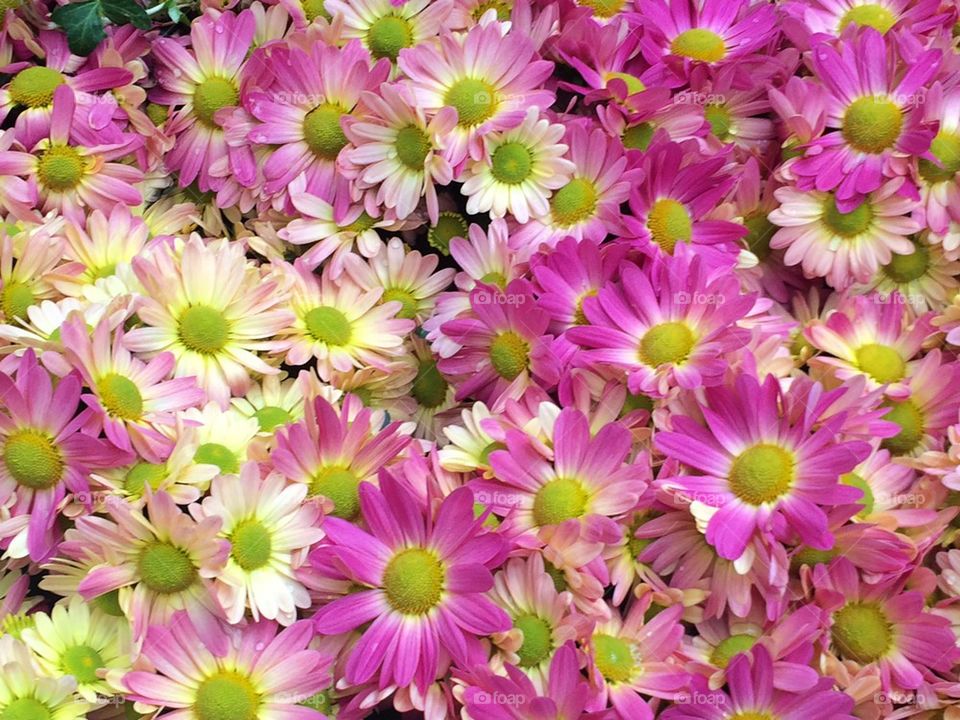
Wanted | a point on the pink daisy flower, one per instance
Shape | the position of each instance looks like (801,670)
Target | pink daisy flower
(874,110)
(832,17)
(937,177)
(763,471)
(423,575)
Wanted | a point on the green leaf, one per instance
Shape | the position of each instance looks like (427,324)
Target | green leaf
(121,12)
(83,25)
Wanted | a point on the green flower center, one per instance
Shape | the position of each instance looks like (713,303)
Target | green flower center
(271,417)
(158,114)
(26,708)
(872,124)
(15,624)
(340,486)
(328,325)
(15,299)
(720,121)
(812,557)
(910,418)
(82,661)
(511,163)
(669,342)
(60,168)
(388,36)
(724,652)
(604,8)
(203,329)
(614,658)
(488,450)
(211,95)
(220,455)
(109,603)
(761,474)
(579,316)
(413,581)
(574,202)
(494,278)
(862,632)
(875,16)
(847,224)
(143,474)
(881,362)
(699,44)
(752,715)
(474,100)
(537,639)
(33,459)
(509,354)
(251,544)
(854,480)
(638,137)
(363,223)
(413,145)
(945,148)
(411,306)
(314,9)
(165,568)
(322,131)
(226,696)
(558,500)
(429,387)
(449,225)
(669,223)
(760,233)
(907,268)
(120,396)
(34,86)
(633,83)
(503,9)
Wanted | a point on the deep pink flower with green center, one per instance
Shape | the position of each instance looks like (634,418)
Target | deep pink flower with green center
(762,470)
(875,108)
(422,578)
(45,452)
(751,695)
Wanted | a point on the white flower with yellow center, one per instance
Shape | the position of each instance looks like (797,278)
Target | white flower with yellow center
(523,167)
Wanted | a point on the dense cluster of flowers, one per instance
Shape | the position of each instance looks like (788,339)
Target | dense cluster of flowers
(500,360)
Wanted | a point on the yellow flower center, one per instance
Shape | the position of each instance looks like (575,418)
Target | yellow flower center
(165,568)
(537,639)
(669,342)
(604,8)
(203,329)
(60,168)
(699,44)
(120,397)
(945,148)
(558,500)
(413,581)
(413,145)
(862,632)
(875,16)
(340,485)
(474,100)
(33,459)
(881,362)
(872,124)
(614,658)
(633,83)
(910,418)
(847,224)
(574,202)
(251,544)
(503,9)
(669,223)
(509,355)
(226,696)
(33,87)
(322,131)
(211,95)
(15,298)
(761,474)
(388,36)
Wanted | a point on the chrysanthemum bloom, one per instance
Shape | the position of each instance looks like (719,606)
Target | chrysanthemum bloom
(671,206)
(334,450)
(671,326)
(832,17)
(924,416)
(300,113)
(423,579)
(763,471)
(488,77)
(341,324)
(587,478)
(871,336)
(73,165)
(202,82)
(937,178)
(275,401)
(83,642)
(926,278)
(714,31)
(45,453)
(874,108)
(386,27)
(524,165)
(159,565)
(564,697)
(751,695)
(132,399)
(630,656)
(884,624)
(503,348)
(404,275)
(260,675)
(210,308)
(270,529)
(587,207)
(468,445)
(26,262)
(543,618)
(27,691)
(843,246)
(395,156)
